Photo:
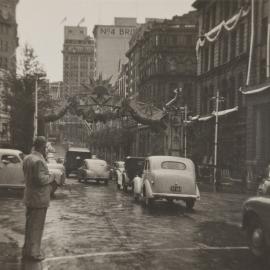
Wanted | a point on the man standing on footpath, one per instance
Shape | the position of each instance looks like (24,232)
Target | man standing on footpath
(38,186)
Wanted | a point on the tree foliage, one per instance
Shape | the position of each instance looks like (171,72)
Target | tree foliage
(21,100)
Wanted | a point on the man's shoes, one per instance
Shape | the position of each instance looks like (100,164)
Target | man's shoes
(33,258)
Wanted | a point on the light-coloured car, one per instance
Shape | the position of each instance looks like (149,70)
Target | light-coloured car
(171,178)
(11,173)
(58,169)
(94,169)
(256,224)
(11,169)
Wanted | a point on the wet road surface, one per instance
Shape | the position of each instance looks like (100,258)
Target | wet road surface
(92,226)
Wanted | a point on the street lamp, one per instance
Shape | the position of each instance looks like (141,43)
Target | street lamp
(217,99)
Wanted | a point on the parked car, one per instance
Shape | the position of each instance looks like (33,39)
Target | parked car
(256,224)
(171,178)
(116,172)
(11,173)
(264,182)
(74,159)
(11,170)
(94,169)
(133,168)
(53,166)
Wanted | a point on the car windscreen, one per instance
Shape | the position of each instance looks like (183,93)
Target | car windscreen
(81,155)
(173,165)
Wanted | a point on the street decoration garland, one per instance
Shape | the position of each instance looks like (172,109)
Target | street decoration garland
(214,33)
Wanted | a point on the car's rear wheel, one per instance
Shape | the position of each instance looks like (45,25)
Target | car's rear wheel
(148,202)
(124,184)
(190,204)
(169,200)
(256,238)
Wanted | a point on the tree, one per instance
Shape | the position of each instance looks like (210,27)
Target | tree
(21,100)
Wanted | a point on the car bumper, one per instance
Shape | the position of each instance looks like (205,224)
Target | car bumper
(97,178)
(174,196)
(12,186)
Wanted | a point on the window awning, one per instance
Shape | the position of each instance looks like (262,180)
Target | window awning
(255,90)
(213,114)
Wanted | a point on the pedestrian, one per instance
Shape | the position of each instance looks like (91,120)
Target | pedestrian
(38,186)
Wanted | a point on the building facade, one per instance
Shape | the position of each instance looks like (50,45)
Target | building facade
(8,46)
(161,60)
(78,58)
(232,53)
(78,69)
(112,43)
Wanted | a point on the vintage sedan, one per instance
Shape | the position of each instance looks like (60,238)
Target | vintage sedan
(256,224)
(171,178)
(58,169)
(94,169)
(11,173)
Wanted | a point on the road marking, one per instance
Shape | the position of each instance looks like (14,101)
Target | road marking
(125,252)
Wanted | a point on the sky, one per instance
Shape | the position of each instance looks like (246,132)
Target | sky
(39,22)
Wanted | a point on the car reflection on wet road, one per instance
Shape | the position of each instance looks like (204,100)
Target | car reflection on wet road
(91,226)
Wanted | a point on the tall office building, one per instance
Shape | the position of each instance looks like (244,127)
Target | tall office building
(8,46)
(78,58)
(112,43)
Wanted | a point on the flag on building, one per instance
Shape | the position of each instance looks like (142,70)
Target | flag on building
(81,21)
(64,20)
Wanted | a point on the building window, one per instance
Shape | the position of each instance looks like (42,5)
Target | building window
(225,49)
(241,38)
(157,40)
(264,30)
(206,59)
(212,55)
(227,7)
(233,44)
(263,71)
(231,93)
(214,10)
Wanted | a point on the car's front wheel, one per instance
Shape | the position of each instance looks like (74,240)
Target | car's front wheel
(256,238)
(190,204)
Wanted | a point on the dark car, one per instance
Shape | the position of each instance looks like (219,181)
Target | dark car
(133,167)
(74,159)
(256,223)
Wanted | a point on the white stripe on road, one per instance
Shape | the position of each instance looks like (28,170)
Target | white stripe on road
(109,253)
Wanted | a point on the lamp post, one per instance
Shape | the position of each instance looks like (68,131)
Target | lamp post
(184,123)
(217,99)
(38,75)
(36,109)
